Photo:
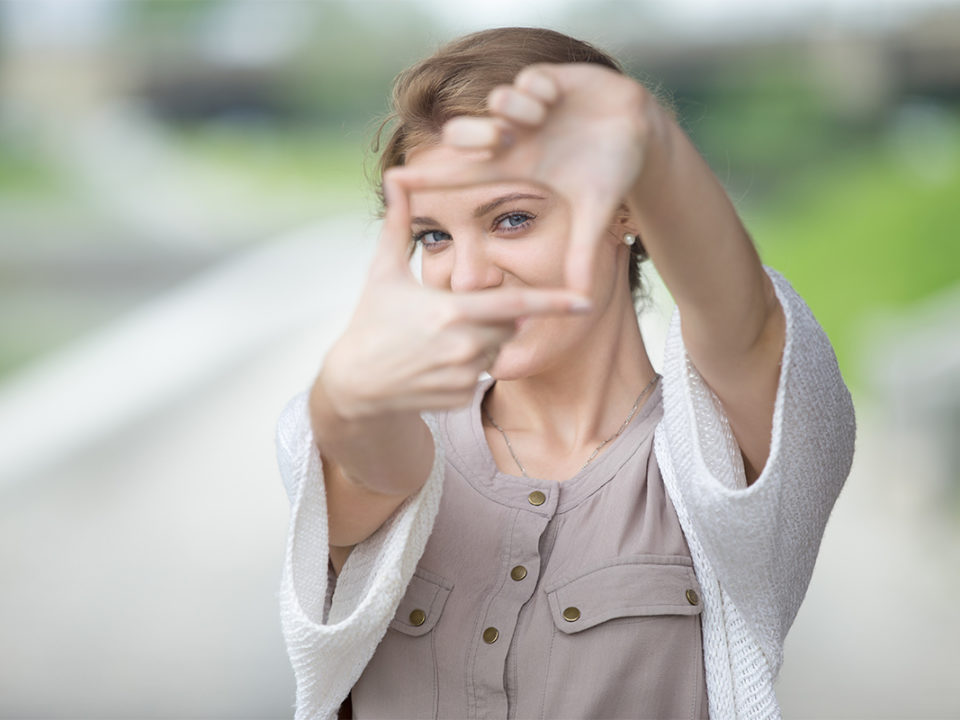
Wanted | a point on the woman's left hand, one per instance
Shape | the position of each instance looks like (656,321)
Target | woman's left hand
(581,129)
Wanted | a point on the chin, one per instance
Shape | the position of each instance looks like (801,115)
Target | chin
(515,363)
(538,348)
(507,374)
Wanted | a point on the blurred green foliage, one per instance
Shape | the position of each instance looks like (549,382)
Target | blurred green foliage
(765,116)
(26,171)
(863,233)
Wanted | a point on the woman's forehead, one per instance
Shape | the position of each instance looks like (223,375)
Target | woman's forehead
(469,198)
(477,200)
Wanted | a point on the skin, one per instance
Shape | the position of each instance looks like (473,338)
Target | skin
(567,376)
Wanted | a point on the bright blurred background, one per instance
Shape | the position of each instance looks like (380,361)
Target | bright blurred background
(184,222)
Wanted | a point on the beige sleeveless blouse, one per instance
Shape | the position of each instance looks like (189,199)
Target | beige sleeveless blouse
(537,599)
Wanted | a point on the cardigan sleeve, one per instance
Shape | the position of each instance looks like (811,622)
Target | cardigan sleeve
(331,633)
(761,541)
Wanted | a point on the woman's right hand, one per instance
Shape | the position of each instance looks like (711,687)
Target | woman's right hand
(412,348)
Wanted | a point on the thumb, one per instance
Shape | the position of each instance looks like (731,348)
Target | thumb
(591,216)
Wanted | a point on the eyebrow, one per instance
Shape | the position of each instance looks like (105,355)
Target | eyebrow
(483,209)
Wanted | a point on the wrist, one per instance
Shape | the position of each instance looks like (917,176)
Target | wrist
(332,405)
(653,126)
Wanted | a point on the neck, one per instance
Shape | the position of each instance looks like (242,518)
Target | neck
(583,399)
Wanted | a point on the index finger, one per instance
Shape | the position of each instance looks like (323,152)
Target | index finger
(505,304)
(394,244)
(456,171)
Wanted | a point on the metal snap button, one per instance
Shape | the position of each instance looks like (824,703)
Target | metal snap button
(536,498)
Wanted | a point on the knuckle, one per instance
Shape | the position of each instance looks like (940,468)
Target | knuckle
(463,350)
(447,315)
(464,378)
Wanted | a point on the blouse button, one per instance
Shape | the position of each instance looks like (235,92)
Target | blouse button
(490,635)
(692,597)
(571,614)
(418,617)
(536,498)
(518,573)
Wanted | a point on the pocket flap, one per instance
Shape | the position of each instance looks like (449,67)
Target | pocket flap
(421,605)
(645,585)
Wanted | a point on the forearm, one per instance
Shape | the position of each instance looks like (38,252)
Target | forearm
(732,323)
(370,466)
(700,247)
(388,453)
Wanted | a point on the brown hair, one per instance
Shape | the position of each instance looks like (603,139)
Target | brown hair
(457,79)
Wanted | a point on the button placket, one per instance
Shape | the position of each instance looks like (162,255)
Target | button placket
(499,622)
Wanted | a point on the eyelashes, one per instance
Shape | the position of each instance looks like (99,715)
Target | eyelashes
(510,222)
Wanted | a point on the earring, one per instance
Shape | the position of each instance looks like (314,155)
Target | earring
(629,238)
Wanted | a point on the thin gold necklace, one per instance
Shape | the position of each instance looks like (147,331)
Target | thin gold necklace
(633,411)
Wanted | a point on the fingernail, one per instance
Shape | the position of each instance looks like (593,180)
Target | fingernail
(581,304)
(524,109)
(469,132)
(542,86)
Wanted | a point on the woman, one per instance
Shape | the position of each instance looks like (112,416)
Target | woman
(571,536)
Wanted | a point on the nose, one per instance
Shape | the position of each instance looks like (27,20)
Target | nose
(472,267)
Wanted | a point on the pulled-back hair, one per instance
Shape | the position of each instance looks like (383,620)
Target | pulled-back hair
(457,79)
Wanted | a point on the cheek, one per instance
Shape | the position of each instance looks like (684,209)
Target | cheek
(434,271)
(540,264)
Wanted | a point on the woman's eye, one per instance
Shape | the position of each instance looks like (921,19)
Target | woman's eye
(430,237)
(513,221)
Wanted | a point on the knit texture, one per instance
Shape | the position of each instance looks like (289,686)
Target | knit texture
(753,548)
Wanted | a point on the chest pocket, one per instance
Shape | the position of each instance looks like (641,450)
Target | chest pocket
(400,681)
(421,606)
(627,636)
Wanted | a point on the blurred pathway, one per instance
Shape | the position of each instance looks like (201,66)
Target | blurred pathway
(142,518)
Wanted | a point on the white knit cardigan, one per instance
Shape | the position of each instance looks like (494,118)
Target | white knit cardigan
(753,548)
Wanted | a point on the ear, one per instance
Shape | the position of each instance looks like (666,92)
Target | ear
(622,222)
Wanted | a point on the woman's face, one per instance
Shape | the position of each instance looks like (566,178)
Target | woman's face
(509,235)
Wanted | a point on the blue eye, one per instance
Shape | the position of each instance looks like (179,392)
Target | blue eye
(430,237)
(513,221)
(507,223)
